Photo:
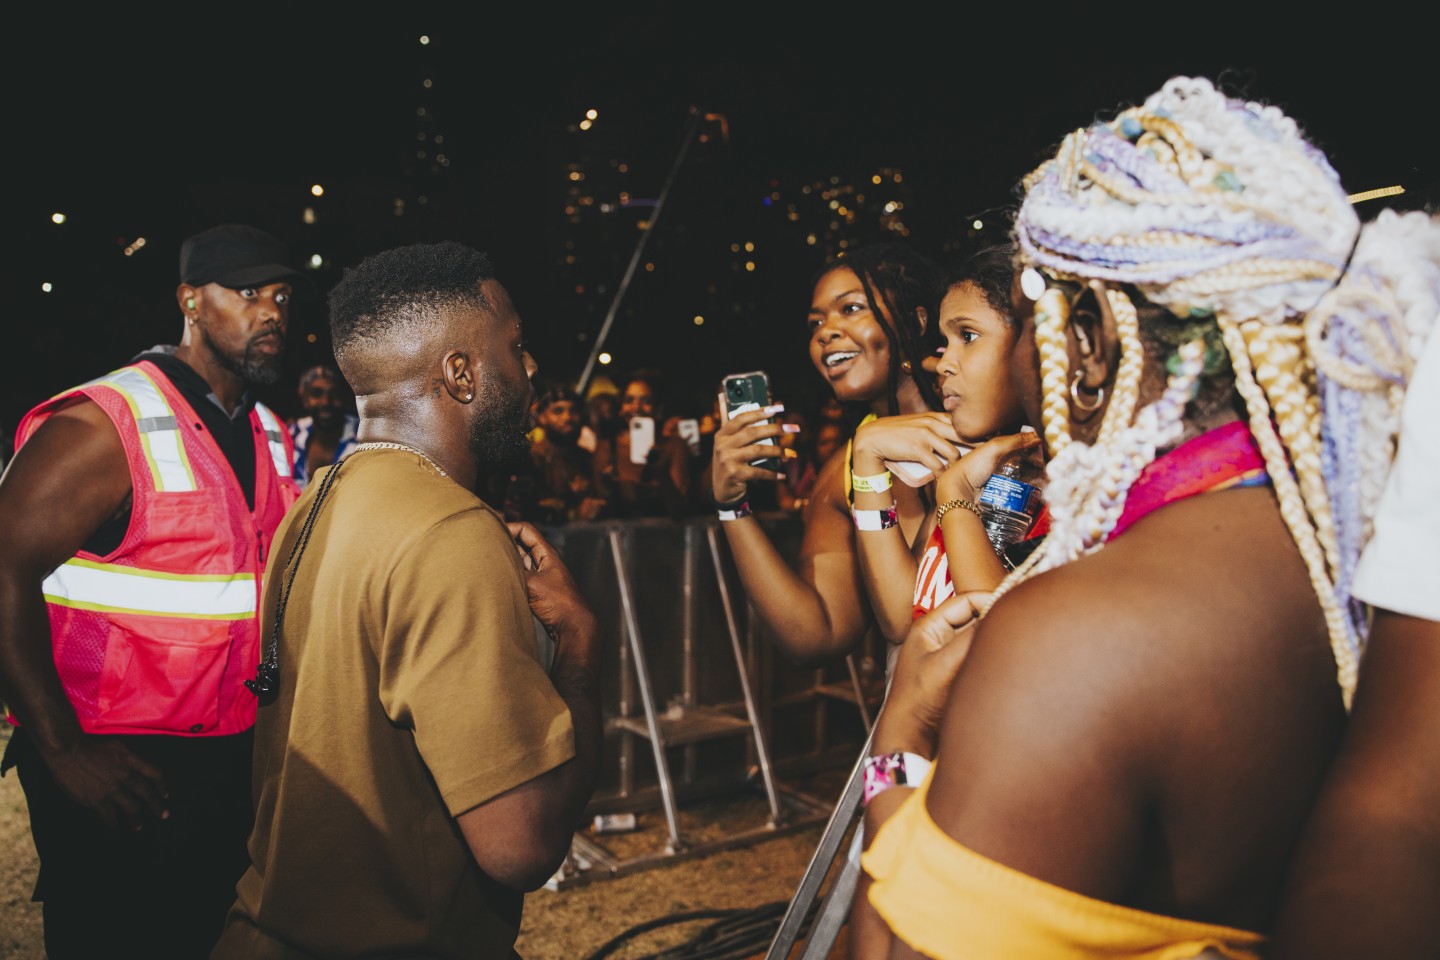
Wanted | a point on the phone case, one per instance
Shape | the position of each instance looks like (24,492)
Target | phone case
(749,391)
(746,391)
(642,438)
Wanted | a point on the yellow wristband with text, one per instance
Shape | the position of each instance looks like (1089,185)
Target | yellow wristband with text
(876,484)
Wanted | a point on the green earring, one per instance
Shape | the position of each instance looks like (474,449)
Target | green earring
(190,303)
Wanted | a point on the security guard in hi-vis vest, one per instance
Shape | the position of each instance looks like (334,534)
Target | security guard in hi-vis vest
(138,513)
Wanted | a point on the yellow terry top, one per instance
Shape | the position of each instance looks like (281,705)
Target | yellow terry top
(948,902)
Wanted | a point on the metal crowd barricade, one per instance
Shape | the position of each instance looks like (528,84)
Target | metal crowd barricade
(675,580)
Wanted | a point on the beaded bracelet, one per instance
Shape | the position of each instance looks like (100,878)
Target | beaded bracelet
(875,519)
(949,505)
(879,483)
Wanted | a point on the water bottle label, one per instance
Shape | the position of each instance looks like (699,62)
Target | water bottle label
(1006,493)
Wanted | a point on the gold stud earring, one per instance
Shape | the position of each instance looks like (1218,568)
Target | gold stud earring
(906,366)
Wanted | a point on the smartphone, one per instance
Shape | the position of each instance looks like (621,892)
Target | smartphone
(917,474)
(642,438)
(750,391)
(689,431)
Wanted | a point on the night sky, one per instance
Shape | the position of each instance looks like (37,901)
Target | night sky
(163,133)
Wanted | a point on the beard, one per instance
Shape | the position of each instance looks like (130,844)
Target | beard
(498,431)
(251,366)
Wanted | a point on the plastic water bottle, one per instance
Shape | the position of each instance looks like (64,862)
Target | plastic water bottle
(1009,503)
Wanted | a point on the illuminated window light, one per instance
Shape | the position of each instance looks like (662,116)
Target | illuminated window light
(649,268)
(875,179)
(592,114)
(749,266)
(576,175)
(317,191)
(699,320)
(624,168)
(308,215)
(810,239)
(311,338)
(1394,191)
(605,358)
(57,217)
(585,124)
(316,261)
(427,83)
(749,247)
(978,225)
(46,287)
(424,41)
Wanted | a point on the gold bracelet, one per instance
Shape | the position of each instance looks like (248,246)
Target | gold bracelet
(949,505)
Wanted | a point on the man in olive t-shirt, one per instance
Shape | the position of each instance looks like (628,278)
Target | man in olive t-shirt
(417,767)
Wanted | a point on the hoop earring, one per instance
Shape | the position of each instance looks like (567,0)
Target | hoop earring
(1091,407)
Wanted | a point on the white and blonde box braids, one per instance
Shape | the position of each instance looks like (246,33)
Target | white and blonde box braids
(1216,207)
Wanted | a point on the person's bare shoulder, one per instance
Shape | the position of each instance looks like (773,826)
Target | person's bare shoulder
(1095,688)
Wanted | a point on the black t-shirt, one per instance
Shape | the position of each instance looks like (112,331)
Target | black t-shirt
(233,434)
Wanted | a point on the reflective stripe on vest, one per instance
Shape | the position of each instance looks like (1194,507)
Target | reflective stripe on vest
(107,587)
(275,433)
(159,428)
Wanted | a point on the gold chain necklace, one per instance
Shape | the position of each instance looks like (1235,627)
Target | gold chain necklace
(387,445)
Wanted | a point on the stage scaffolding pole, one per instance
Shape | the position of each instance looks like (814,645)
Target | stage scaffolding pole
(696,119)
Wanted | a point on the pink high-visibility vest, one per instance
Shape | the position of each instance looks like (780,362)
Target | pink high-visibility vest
(159,635)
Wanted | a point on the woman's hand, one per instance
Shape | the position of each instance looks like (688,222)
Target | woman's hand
(965,478)
(930,657)
(926,438)
(739,440)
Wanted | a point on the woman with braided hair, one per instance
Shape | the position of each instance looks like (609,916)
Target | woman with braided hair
(1148,707)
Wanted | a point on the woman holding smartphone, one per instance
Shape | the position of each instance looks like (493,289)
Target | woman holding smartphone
(644,470)
(870,334)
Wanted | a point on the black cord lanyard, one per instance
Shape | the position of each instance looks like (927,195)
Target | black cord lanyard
(266,684)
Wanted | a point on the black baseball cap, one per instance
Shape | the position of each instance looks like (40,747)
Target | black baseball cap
(234,255)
